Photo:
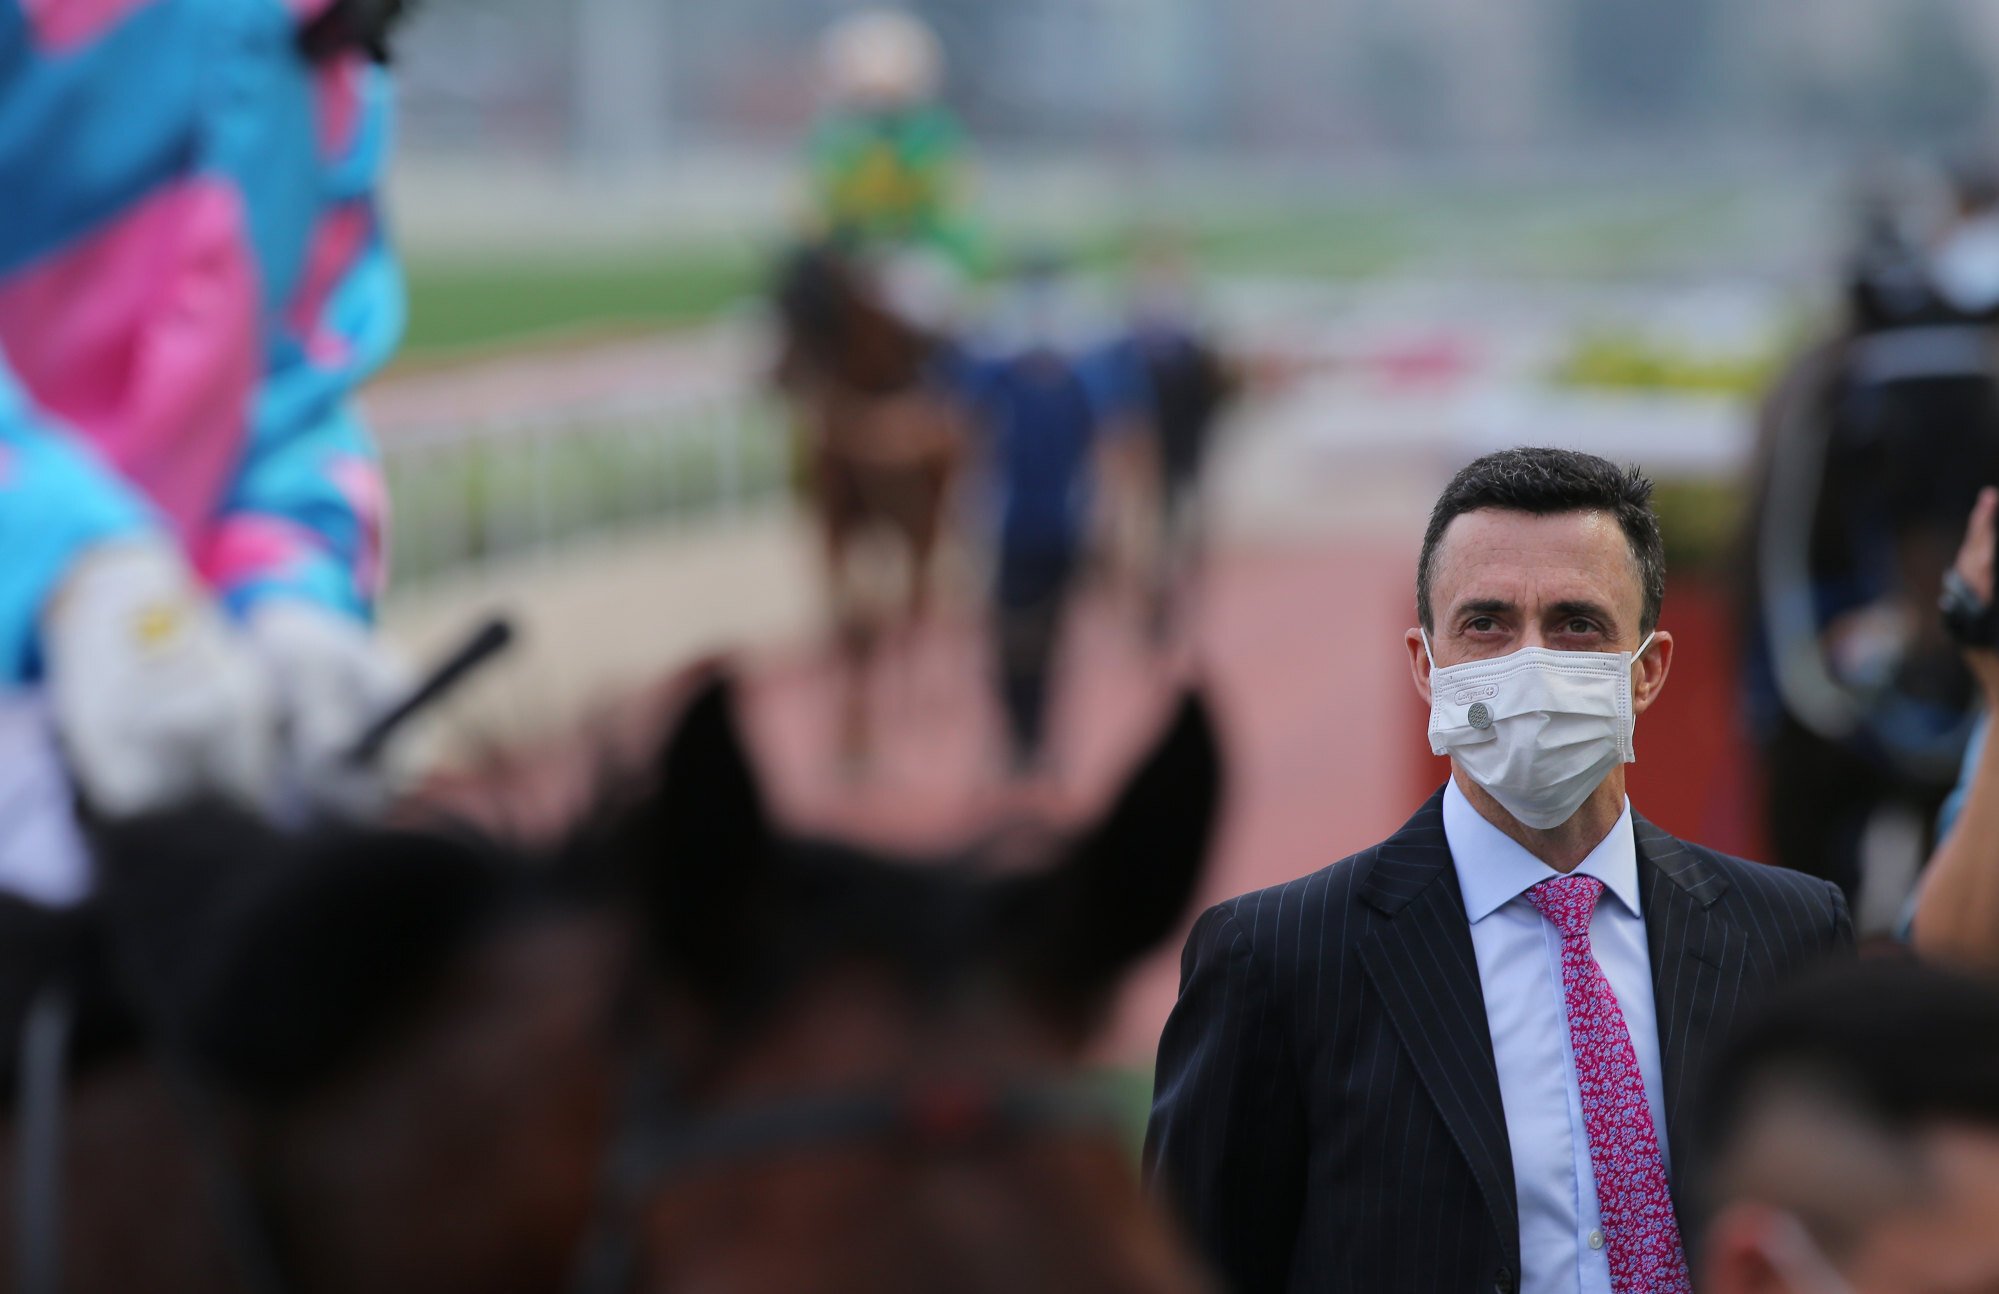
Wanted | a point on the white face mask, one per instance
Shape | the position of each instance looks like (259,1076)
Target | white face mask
(1966,267)
(1539,729)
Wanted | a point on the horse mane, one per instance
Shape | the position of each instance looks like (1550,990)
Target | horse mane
(267,962)
(932,925)
(837,325)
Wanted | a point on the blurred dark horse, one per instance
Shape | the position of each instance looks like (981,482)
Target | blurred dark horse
(1872,448)
(678,1051)
(882,445)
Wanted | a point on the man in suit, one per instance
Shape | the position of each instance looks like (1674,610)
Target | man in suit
(1459,1061)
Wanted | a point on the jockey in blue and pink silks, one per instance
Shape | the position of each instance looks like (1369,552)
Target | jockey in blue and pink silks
(193,280)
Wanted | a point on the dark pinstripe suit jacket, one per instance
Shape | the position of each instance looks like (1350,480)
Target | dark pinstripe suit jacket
(1327,1115)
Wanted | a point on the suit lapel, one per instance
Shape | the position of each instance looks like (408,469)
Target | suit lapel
(1698,959)
(1420,961)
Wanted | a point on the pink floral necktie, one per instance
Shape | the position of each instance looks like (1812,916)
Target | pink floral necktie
(1642,1237)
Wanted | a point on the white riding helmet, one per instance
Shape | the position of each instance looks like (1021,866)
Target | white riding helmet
(883,58)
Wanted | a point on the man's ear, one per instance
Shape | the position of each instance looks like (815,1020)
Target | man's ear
(1419,662)
(1648,675)
(1733,1255)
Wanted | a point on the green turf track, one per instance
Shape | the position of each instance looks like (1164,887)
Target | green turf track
(460,303)
(456,305)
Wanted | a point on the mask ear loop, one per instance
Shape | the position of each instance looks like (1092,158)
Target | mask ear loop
(1630,752)
(1799,1259)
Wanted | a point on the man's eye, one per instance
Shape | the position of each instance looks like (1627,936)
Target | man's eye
(1581,627)
(1482,624)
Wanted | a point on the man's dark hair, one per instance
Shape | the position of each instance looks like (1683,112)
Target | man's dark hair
(1904,1043)
(1895,1045)
(1546,482)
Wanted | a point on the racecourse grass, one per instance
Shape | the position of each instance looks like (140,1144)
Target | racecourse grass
(456,305)
(461,303)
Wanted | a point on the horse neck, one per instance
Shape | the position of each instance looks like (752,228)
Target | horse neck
(133,1171)
(1034,1216)
(878,353)
(855,1028)
(486,1119)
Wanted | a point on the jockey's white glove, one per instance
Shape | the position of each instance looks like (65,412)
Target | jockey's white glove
(157,699)
(334,679)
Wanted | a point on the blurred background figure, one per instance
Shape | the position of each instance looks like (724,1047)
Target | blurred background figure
(1047,406)
(1967,251)
(1887,275)
(888,158)
(1189,383)
(880,452)
(865,310)
(193,280)
(1854,1129)
(1875,443)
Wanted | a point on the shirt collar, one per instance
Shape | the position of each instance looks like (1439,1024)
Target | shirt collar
(1493,869)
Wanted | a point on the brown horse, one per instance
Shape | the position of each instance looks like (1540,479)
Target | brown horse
(686,1052)
(882,447)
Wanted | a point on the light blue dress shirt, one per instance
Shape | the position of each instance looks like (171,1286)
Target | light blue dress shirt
(1520,969)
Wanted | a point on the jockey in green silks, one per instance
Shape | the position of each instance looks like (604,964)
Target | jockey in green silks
(887,162)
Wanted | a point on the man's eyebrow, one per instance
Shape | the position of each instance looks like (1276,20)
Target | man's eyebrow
(1483,607)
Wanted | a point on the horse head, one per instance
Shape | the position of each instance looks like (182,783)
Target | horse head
(682,1048)
(870,1075)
